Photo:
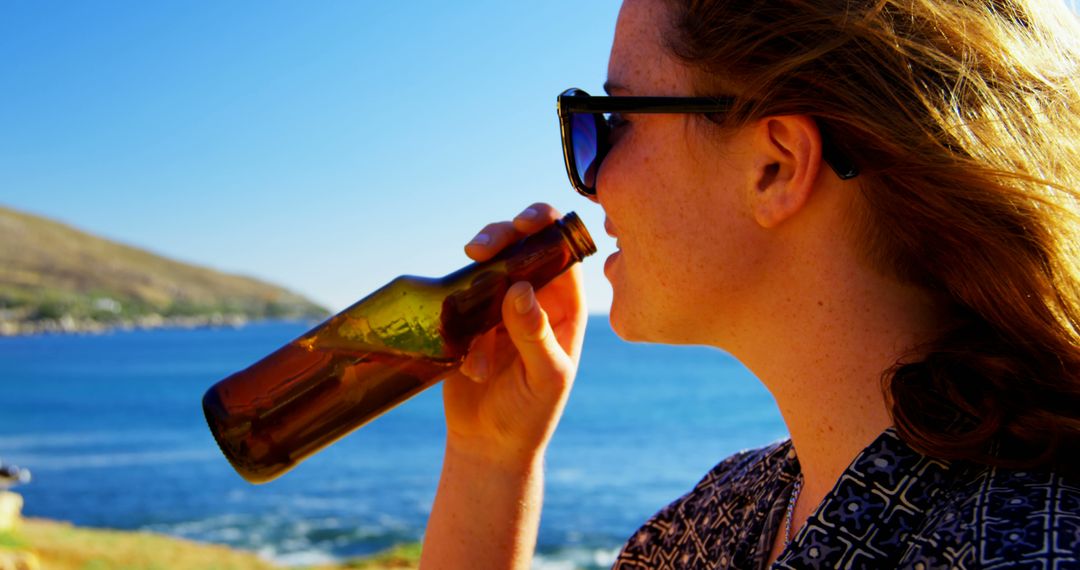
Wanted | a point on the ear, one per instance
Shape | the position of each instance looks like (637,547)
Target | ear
(787,158)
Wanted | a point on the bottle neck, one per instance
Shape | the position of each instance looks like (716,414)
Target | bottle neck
(473,303)
(573,230)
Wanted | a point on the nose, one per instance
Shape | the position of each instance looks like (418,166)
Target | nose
(609,228)
(604,170)
(595,196)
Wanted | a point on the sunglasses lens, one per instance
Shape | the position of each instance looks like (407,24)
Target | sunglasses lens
(583,136)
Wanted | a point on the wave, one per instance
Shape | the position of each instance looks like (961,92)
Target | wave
(79,439)
(576,558)
(299,558)
(41,462)
(285,540)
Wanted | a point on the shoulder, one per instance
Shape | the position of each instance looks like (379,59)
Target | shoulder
(717,513)
(752,461)
(731,482)
(742,476)
(1001,518)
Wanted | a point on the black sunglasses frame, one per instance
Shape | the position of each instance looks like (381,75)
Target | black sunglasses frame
(575,100)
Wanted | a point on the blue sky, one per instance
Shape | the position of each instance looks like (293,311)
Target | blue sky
(325,146)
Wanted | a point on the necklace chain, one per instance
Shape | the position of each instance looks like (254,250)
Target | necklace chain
(791,509)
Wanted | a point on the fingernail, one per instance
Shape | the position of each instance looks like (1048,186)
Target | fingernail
(480,239)
(529,214)
(525,301)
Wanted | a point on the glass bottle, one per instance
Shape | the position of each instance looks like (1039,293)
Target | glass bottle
(372,356)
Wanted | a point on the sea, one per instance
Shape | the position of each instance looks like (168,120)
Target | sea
(111,428)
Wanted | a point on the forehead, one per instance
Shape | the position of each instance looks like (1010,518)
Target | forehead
(639,61)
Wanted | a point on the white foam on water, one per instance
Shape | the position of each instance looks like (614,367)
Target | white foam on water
(67,462)
(35,441)
(304,502)
(232,529)
(574,558)
(300,558)
(279,538)
(566,475)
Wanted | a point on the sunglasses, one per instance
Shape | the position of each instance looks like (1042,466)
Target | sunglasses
(586,123)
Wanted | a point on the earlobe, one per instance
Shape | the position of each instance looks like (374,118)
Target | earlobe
(788,151)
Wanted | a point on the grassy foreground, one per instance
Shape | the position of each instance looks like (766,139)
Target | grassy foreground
(61,546)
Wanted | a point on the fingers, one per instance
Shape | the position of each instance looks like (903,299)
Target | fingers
(543,353)
(547,366)
(563,299)
(494,237)
(535,218)
(491,239)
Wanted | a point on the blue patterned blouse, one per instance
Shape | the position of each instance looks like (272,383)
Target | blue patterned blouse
(892,508)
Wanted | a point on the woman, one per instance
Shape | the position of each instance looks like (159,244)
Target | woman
(878,215)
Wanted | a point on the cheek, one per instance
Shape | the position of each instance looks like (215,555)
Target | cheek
(686,239)
(698,260)
(635,181)
(667,209)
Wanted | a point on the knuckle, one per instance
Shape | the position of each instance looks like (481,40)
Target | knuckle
(559,378)
(562,369)
(536,333)
(536,328)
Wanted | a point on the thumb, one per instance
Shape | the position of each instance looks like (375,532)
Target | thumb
(547,366)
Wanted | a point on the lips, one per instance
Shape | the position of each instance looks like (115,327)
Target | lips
(610,262)
(609,228)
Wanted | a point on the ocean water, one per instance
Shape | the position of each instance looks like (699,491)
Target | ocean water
(111,427)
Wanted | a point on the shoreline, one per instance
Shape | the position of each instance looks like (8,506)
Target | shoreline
(72,326)
(60,545)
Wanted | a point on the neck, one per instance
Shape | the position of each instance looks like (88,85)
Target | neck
(829,331)
(828,385)
(832,403)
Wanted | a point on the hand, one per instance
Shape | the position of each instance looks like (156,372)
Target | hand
(504,402)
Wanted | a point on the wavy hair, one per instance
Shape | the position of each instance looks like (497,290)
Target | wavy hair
(964,118)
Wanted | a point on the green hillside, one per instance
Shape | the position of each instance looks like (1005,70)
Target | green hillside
(61,546)
(56,278)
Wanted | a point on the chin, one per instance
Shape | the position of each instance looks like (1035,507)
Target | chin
(636,326)
(623,325)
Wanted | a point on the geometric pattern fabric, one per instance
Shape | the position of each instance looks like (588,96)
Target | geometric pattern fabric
(892,508)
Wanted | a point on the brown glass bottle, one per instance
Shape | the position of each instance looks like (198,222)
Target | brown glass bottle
(373,355)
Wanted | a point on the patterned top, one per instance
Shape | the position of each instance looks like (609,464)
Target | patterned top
(892,508)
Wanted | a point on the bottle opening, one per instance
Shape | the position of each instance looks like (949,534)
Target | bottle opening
(578,236)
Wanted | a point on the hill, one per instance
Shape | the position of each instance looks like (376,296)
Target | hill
(54,277)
